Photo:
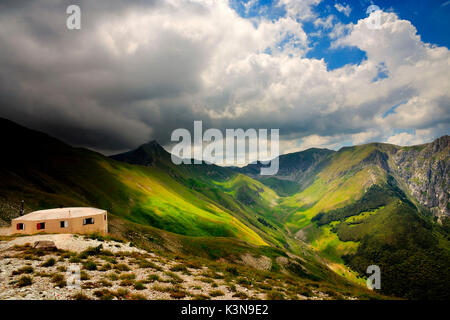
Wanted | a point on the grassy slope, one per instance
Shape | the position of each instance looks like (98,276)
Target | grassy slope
(338,184)
(47,173)
(392,234)
(343,181)
(308,269)
(167,204)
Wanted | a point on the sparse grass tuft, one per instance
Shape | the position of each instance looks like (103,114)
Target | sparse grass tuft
(30,257)
(127,283)
(58,280)
(121,293)
(216,293)
(178,294)
(90,285)
(99,237)
(175,277)
(138,296)
(153,278)
(84,275)
(139,286)
(61,268)
(193,265)
(143,263)
(179,267)
(104,294)
(232,270)
(26,269)
(240,295)
(127,276)
(201,297)
(121,267)
(105,283)
(49,263)
(24,281)
(74,259)
(90,265)
(232,287)
(91,251)
(112,276)
(80,296)
(244,281)
(274,295)
(105,267)
(109,259)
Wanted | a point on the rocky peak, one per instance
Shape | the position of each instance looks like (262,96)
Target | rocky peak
(144,155)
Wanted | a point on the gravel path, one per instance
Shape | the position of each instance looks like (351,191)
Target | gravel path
(70,242)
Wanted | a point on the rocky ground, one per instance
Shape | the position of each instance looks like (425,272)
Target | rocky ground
(115,270)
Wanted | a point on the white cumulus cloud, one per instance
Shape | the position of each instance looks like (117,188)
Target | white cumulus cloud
(343,8)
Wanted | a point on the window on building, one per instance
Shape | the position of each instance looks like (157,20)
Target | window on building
(88,221)
(20,226)
(41,226)
(104,217)
(64,224)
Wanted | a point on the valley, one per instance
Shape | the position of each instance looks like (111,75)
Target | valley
(322,219)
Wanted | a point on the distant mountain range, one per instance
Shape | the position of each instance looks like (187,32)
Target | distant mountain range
(423,169)
(337,212)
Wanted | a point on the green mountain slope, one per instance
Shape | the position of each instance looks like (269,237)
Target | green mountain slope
(361,208)
(46,173)
(243,197)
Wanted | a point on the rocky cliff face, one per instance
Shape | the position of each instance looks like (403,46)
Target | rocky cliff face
(425,169)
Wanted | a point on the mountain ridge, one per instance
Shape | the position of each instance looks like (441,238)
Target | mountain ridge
(437,201)
(348,209)
(144,155)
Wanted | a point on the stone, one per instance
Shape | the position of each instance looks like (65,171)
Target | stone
(45,245)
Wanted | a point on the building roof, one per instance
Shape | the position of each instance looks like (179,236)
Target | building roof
(60,213)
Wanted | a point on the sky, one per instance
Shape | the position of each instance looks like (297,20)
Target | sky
(314,69)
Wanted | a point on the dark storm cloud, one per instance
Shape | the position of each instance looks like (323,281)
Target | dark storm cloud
(65,83)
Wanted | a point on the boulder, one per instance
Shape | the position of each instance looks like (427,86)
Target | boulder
(45,245)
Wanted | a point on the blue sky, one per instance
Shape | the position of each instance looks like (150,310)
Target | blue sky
(430,17)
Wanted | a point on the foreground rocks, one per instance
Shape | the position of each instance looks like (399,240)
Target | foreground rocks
(115,270)
(45,245)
